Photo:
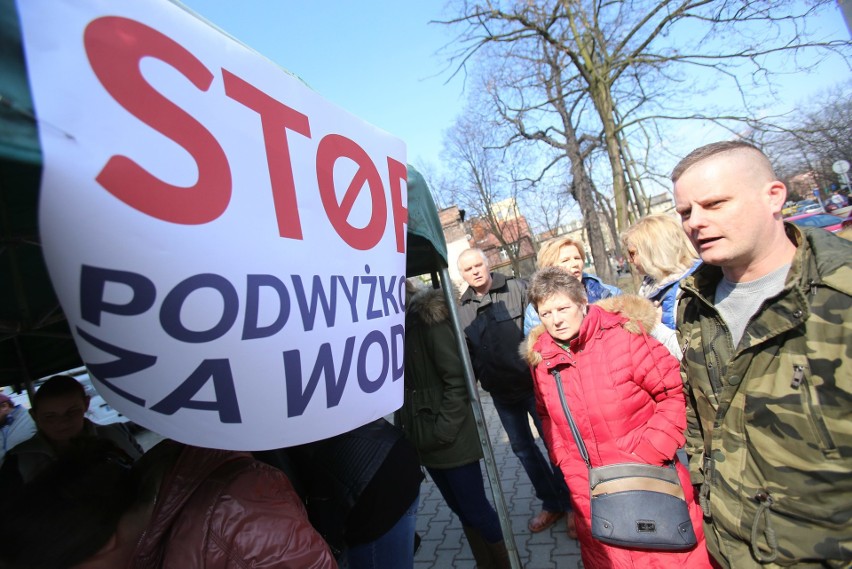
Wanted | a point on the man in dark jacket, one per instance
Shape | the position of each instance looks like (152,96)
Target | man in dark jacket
(59,411)
(492,316)
(765,328)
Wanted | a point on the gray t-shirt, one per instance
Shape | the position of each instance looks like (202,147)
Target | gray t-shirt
(738,302)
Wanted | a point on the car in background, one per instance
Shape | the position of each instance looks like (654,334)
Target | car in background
(823,220)
(813,208)
(846,227)
(789,209)
(801,205)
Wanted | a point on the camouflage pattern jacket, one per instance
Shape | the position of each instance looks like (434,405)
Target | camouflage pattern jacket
(770,421)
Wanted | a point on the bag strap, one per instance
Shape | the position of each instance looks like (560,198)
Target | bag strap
(574,430)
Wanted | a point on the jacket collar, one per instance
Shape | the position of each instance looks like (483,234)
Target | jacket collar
(651,288)
(546,349)
(817,262)
(498,281)
(595,321)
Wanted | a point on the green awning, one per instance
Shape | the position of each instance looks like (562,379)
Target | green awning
(34,337)
(427,249)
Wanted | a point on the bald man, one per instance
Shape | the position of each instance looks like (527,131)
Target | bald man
(492,317)
(766,329)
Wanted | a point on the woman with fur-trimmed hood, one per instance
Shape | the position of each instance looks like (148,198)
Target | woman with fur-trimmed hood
(437,417)
(625,394)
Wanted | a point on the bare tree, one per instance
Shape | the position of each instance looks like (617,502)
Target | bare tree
(550,116)
(630,60)
(483,184)
(532,100)
(805,146)
(547,207)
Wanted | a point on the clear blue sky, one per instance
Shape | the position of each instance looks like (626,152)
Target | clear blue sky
(374,58)
(379,60)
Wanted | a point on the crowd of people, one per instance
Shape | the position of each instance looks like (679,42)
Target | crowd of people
(734,355)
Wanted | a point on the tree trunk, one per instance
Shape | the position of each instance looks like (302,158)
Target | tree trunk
(581,188)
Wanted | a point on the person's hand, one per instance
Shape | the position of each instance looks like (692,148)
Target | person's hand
(659,312)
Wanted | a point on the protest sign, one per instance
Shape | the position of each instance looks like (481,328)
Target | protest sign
(228,247)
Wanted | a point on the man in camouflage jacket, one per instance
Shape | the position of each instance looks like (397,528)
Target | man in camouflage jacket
(770,414)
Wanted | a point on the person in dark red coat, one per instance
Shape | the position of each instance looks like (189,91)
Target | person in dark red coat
(625,393)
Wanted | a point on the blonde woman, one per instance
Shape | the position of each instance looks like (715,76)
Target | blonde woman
(568,254)
(659,249)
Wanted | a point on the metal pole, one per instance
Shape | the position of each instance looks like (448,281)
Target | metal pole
(484,439)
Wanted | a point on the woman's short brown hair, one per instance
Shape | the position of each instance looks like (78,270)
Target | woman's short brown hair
(550,281)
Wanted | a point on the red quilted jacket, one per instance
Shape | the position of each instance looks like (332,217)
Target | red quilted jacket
(626,396)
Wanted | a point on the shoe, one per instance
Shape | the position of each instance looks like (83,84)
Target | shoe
(544,520)
(571,525)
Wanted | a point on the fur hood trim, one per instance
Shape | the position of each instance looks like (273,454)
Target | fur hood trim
(635,309)
(526,350)
(639,315)
(429,304)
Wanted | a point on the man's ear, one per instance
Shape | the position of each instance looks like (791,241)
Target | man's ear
(777,193)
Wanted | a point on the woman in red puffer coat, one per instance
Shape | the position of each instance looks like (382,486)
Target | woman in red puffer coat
(626,396)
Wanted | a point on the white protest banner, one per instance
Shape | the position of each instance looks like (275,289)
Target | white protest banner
(228,247)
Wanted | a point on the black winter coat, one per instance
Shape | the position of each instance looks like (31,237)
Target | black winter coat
(494,326)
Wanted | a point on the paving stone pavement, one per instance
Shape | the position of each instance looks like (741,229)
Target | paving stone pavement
(443,544)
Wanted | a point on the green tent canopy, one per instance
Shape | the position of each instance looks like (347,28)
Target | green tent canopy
(427,249)
(34,337)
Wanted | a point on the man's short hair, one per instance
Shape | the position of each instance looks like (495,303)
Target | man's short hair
(58,386)
(708,150)
(467,252)
(68,512)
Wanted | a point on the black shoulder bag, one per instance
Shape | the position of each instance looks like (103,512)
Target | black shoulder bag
(637,506)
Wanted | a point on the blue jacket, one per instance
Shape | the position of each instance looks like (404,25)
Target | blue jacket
(666,295)
(18,428)
(595,290)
